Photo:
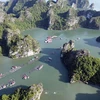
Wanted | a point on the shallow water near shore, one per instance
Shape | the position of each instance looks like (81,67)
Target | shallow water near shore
(53,75)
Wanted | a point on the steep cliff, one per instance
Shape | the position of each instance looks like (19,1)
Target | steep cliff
(23,47)
(17,46)
(80,3)
(54,15)
(81,66)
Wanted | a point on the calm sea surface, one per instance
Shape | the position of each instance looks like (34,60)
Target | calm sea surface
(53,75)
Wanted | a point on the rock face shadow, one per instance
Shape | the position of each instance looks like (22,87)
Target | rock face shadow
(55,62)
(92,42)
(87,96)
(11,90)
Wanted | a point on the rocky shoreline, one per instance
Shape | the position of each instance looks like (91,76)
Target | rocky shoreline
(17,46)
(33,92)
(80,64)
(37,89)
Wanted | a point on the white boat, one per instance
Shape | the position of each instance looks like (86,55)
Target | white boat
(49,58)
(4,86)
(11,82)
(25,77)
(54,37)
(14,69)
(39,67)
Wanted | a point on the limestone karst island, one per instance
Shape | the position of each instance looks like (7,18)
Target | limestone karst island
(49,50)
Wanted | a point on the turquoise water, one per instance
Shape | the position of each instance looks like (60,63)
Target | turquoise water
(53,75)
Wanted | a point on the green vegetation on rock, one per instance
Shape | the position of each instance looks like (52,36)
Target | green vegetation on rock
(81,66)
(85,67)
(19,15)
(1,31)
(31,93)
(23,46)
(62,14)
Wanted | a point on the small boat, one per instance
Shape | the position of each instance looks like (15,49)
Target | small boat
(11,82)
(78,38)
(30,61)
(4,86)
(1,75)
(13,69)
(54,92)
(48,40)
(60,38)
(54,37)
(39,67)
(25,77)
(49,58)
(46,92)
(36,57)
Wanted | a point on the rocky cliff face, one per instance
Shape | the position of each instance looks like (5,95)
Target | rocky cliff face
(14,6)
(24,47)
(37,89)
(54,15)
(8,35)
(80,64)
(94,23)
(79,3)
(68,56)
(89,19)
(2,16)
(19,46)
(51,18)
(72,19)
